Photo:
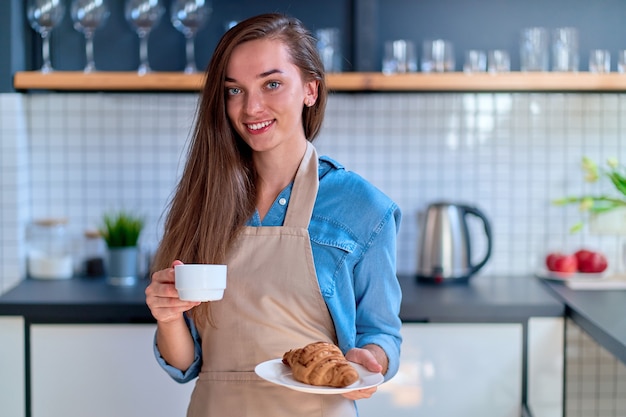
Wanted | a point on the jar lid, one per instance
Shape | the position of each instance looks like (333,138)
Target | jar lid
(51,221)
(92,234)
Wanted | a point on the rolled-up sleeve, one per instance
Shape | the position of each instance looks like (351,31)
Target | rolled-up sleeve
(194,369)
(378,294)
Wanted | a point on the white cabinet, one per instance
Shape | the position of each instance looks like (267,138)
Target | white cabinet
(101,370)
(469,370)
(12,373)
(545,366)
(446,369)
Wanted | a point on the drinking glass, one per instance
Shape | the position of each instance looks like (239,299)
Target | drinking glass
(498,60)
(43,16)
(143,15)
(89,15)
(229,24)
(329,47)
(188,16)
(534,49)
(621,63)
(565,49)
(399,57)
(475,61)
(599,61)
(437,56)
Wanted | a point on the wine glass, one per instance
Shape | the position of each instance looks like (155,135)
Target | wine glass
(143,15)
(188,16)
(43,16)
(88,15)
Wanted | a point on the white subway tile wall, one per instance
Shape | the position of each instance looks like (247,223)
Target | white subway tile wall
(90,154)
(510,155)
(14,190)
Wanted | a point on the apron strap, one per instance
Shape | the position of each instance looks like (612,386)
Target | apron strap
(304,191)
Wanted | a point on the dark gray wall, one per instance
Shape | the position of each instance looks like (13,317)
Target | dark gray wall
(116,45)
(13,37)
(365,25)
(496,24)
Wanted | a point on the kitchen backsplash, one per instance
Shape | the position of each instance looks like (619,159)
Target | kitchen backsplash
(77,155)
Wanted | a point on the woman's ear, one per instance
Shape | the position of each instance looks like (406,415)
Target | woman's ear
(310,92)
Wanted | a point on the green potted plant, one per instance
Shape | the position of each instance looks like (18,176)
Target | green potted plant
(599,204)
(121,230)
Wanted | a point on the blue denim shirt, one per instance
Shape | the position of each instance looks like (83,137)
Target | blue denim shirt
(353,232)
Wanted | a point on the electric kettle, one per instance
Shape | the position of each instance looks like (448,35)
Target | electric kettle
(444,251)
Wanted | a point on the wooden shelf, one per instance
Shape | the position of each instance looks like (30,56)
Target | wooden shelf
(348,81)
(107,81)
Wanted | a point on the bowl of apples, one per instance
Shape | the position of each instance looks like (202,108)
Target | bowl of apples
(584,263)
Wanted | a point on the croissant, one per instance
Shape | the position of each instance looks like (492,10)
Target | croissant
(321,364)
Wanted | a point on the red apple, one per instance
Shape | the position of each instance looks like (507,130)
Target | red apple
(590,261)
(561,262)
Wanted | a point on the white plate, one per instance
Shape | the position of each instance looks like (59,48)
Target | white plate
(277,372)
(572,276)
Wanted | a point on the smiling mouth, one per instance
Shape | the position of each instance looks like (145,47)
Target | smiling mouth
(259,125)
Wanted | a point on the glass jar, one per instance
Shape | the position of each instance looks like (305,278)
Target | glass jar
(49,250)
(94,254)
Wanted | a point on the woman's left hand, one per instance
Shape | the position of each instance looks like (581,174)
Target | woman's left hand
(366,358)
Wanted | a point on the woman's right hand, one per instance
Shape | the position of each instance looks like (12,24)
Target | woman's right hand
(162,296)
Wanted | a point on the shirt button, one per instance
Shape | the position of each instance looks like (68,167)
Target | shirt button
(282,201)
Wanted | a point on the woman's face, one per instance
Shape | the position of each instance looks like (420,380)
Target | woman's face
(265,95)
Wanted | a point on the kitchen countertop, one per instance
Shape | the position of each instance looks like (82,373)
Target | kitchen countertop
(483,299)
(76,300)
(601,313)
(486,299)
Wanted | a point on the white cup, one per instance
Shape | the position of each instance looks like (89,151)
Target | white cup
(200,282)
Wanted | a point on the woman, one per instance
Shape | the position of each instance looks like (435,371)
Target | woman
(310,248)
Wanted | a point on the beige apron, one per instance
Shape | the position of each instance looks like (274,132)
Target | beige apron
(272,303)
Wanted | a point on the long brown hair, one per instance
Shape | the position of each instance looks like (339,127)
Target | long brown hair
(216,194)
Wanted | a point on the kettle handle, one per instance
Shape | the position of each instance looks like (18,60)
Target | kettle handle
(476,212)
